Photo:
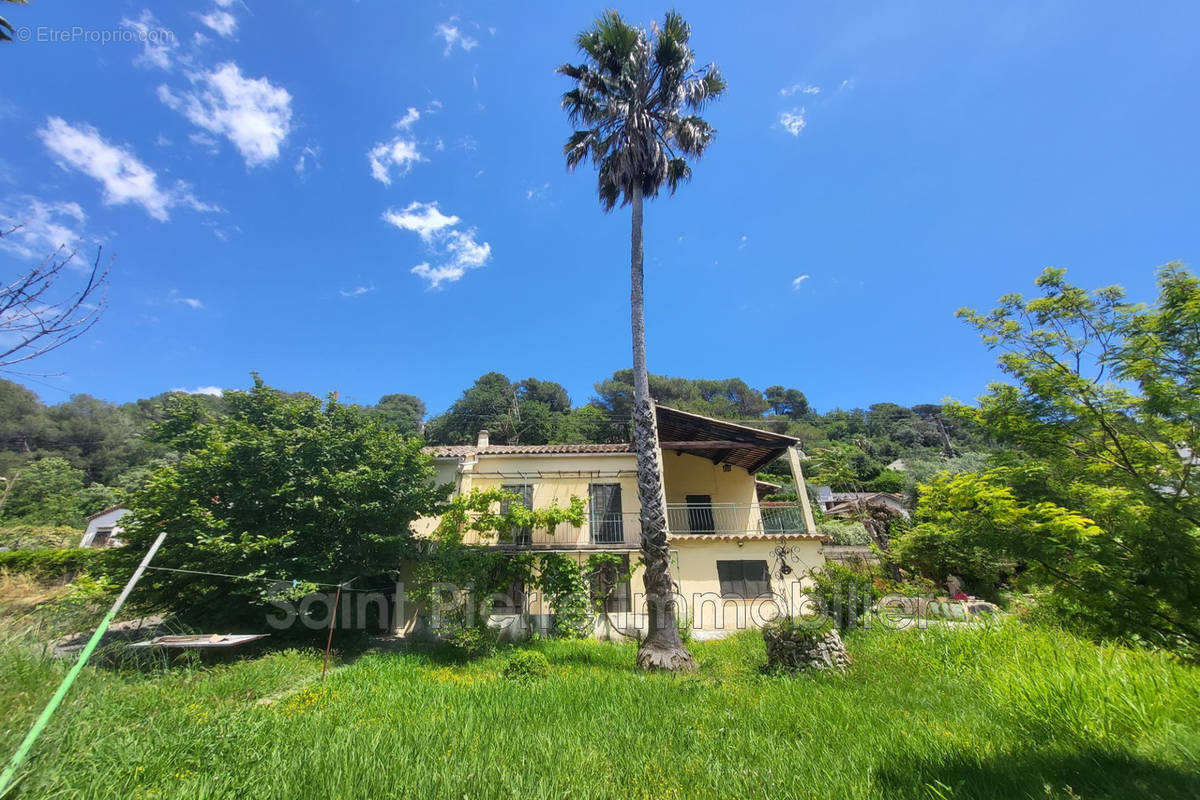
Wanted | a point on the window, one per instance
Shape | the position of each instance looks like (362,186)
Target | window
(603,579)
(700,513)
(744,579)
(102,537)
(519,535)
(605,512)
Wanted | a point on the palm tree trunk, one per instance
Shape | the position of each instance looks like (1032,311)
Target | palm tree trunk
(662,647)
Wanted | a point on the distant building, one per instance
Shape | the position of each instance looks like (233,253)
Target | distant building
(844,504)
(103,528)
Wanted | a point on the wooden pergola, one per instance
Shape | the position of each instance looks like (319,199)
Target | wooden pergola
(719,441)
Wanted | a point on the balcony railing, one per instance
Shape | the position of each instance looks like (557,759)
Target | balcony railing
(623,531)
(744,518)
(607,531)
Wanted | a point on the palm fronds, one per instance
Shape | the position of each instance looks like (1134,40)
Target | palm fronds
(635,103)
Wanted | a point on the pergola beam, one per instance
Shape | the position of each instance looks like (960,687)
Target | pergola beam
(718,444)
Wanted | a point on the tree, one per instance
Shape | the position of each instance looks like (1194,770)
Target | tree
(283,487)
(97,436)
(50,491)
(24,425)
(1103,422)
(40,312)
(636,97)
(590,424)
(787,402)
(403,413)
(512,413)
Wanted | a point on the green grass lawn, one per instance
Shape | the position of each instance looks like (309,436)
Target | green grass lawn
(993,713)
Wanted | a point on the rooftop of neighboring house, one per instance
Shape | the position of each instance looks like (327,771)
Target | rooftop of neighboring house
(108,510)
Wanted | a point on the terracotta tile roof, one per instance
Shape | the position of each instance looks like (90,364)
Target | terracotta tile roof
(731,537)
(468,450)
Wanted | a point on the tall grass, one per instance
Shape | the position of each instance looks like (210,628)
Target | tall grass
(1005,713)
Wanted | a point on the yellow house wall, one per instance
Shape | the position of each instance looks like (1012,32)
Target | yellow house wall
(693,559)
(684,474)
(555,479)
(700,585)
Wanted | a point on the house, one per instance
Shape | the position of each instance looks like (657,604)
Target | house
(847,504)
(104,528)
(737,560)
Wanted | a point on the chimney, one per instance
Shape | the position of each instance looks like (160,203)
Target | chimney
(483,439)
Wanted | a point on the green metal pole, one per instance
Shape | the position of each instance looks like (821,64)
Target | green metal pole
(10,772)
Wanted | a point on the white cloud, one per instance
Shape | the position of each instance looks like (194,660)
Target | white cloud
(453,36)
(793,121)
(44,226)
(537,192)
(423,219)
(357,291)
(410,116)
(125,179)
(220,22)
(797,282)
(158,44)
(214,391)
(190,302)
(209,143)
(742,241)
(458,250)
(307,160)
(847,85)
(399,154)
(802,88)
(252,113)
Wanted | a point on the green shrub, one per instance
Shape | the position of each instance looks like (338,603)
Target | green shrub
(844,532)
(49,564)
(525,665)
(846,593)
(889,480)
(472,641)
(39,537)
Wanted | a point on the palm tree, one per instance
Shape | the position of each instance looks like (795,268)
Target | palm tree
(635,102)
(6,30)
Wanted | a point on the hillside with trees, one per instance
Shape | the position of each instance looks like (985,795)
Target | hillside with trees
(65,461)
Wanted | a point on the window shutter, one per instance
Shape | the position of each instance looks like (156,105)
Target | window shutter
(607,523)
(730,575)
(758,581)
(744,579)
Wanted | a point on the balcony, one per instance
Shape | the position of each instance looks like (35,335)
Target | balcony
(599,532)
(623,531)
(735,518)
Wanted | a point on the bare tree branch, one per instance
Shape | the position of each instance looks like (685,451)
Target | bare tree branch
(39,312)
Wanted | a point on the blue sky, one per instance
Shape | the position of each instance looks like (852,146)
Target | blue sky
(270,177)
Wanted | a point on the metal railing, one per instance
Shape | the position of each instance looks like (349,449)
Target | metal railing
(624,530)
(601,531)
(767,517)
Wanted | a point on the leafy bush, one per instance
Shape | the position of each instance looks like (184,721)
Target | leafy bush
(525,665)
(844,532)
(889,480)
(54,563)
(845,594)
(39,537)
(472,641)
